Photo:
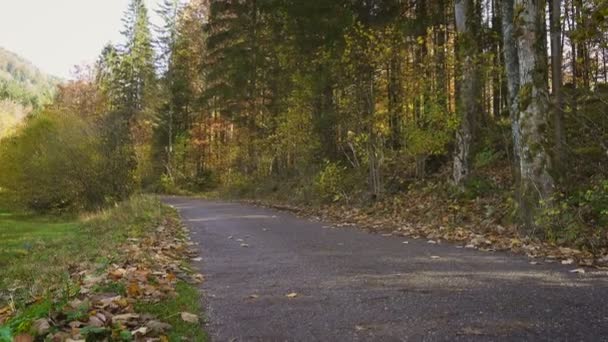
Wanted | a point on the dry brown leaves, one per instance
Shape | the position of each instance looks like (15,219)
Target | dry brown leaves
(431,217)
(149,273)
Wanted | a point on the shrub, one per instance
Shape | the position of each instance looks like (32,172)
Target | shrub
(52,164)
(486,157)
(580,219)
(331,182)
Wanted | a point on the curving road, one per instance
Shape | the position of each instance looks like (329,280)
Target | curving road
(356,286)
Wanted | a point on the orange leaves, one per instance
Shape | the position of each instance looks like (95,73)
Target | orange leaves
(133,290)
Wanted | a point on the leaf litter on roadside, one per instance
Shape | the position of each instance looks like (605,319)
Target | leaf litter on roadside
(103,305)
(409,218)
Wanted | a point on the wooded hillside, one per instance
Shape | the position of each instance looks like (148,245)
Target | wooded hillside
(23,88)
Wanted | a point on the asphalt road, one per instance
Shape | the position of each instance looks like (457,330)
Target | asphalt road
(356,286)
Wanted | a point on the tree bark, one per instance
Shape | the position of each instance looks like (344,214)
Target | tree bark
(468,21)
(512,72)
(536,184)
(556,82)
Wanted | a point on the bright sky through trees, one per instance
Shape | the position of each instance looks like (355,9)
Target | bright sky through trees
(57,34)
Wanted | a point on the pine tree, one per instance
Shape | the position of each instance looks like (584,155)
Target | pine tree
(137,56)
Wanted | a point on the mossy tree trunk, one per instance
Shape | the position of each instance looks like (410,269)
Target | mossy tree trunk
(536,183)
(469,92)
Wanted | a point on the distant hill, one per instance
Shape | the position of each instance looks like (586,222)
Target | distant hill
(23,88)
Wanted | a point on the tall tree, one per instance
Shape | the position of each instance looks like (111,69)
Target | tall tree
(536,184)
(555,7)
(511,62)
(468,23)
(137,56)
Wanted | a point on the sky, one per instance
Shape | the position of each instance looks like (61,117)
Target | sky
(56,35)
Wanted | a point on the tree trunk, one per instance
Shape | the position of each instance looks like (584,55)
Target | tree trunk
(556,82)
(468,21)
(536,184)
(512,72)
(395,100)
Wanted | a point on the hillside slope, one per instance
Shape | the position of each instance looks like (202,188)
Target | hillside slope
(23,88)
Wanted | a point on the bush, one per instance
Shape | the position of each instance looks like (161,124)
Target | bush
(237,184)
(580,219)
(486,157)
(331,182)
(52,164)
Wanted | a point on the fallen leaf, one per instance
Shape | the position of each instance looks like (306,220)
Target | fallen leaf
(198,278)
(94,321)
(124,317)
(568,262)
(405,242)
(117,273)
(435,257)
(578,270)
(133,290)
(244,245)
(141,331)
(188,317)
(23,338)
(432,242)
(157,327)
(254,296)
(41,327)
(197,259)
(292,295)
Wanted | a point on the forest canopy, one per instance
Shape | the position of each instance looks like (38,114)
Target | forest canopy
(497,108)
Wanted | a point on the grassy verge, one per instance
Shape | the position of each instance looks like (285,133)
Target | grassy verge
(187,300)
(38,254)
(39,258)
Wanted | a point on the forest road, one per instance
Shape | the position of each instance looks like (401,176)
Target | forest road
(355,286)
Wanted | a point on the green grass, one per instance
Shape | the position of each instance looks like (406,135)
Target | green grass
(169,310)
(33,249)
(24,235)
(38,254)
